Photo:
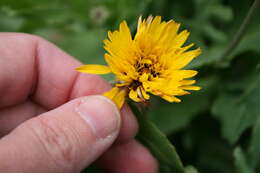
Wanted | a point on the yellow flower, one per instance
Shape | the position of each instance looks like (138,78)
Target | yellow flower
(150,62)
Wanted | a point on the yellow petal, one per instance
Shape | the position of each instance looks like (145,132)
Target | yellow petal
(181,93)
(187,47)
(118,67)
(143,93)
(123,28)
(146,86)
(111,93)
(119,99)
(187,82)
(171,98)
(122,84)
(139,24)
(117,96)
(196,88)
(184,73)
(94,69)
(181,38)
(134,96)
(186,58)
(144,77)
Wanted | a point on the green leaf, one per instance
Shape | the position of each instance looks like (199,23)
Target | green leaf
(255,144)
(171,117)
(91,49)
(214,34)
(85,45)
(209,56)
(237,112)
(157,142)
(10,22)
(241,162)
(250,41)
(92,169)
(222,12)
(190,169)
(232,115)
(207,31)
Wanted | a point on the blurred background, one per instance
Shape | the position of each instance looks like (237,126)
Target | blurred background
(216,129)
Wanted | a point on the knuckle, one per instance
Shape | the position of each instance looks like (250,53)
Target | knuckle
(59,141)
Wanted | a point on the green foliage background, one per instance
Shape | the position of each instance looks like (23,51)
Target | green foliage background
(216,129)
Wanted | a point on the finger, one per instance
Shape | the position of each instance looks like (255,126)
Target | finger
(63,140)
(31,66)
(16,68)
(13,116)
(128,158)
(129,125)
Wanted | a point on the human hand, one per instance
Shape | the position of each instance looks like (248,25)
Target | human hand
(50,123)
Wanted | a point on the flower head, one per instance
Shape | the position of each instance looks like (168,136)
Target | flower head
(151,62)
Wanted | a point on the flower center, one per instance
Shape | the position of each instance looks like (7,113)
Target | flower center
(147,66)
(135,84)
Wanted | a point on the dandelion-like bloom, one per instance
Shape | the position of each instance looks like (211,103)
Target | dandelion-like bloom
(150,62)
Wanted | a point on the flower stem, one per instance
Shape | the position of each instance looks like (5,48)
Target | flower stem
(225,57)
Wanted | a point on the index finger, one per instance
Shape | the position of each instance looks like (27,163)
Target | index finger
(32,67)
(35,70)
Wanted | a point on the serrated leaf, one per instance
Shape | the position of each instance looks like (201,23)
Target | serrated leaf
(255,144)
(249,42)
(214,34)
(237,112)
(10,23)
(171,117)
(190,169)
(92,169)
(157,142)
(90,49)
(241,162)
(223,12)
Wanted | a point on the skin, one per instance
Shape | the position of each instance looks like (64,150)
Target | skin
(52,118)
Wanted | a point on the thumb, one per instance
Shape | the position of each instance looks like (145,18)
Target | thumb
(62,140)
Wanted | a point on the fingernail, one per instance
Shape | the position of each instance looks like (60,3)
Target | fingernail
(101,114)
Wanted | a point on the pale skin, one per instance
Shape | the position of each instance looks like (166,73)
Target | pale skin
(53,119)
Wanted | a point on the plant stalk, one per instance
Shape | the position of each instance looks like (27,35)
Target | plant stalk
(240,33)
